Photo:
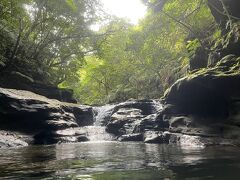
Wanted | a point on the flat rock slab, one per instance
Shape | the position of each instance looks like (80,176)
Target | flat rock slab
(39,117)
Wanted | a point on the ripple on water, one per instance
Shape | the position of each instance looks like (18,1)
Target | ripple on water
(114,160)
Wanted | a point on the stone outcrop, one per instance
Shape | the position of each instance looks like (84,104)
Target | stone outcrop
(39,119)
(17,80)
(217,9)
(202,108)
(131,119)
(206,103)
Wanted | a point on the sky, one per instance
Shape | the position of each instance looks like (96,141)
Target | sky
(131,9)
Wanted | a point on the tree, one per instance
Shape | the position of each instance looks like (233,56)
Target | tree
(51,35)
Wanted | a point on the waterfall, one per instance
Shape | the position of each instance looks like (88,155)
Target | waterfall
(96,132)
(102,115)
(157,104)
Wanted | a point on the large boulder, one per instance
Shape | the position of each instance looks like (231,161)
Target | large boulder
(206,102)
(207,92)
(41,119)
(130,119)
(17,80)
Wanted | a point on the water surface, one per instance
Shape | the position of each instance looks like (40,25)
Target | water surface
(120,161)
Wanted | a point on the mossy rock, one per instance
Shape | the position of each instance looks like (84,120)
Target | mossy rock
(208,91)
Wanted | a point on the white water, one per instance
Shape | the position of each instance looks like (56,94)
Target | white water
(157,105)
(102,115)
(97,131)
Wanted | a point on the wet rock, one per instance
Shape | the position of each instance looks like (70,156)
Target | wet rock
(180,121)
(123,120)
(131,137)
(116,127)
(146,106)
(133,116)
(13,140)
(207,92)
(40,117)
(82,138)
(156,137)
(17,80)
(149,122)
(205,104)
(84,115)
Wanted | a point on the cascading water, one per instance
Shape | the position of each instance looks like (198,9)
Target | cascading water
(157,105)
(97,132)
(102,115)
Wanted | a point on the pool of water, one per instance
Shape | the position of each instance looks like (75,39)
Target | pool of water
(119,161)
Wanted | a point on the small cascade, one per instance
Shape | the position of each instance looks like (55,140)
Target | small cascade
(157,105)
(103,114)
(97,132)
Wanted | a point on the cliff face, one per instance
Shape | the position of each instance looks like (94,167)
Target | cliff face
(218,9)
(202,108)
(208,100)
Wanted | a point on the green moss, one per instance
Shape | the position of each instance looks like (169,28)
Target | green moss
(228,66)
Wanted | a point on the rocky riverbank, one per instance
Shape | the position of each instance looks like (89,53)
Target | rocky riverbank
(35,119)
(201,109)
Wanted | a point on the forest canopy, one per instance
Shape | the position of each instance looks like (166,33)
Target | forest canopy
(52,41)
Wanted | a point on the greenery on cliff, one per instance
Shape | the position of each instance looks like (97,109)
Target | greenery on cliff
(52,41)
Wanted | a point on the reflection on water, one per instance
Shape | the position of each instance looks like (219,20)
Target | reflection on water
(113,160)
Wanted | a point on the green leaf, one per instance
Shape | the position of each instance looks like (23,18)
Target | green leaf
(71,4)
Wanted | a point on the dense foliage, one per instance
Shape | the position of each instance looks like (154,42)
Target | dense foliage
(142,61)
(121,60)
(51,37)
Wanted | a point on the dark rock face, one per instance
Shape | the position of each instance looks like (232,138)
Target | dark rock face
(200,109)
(16,80)
(217,10)
(131,137)
(199,60)
(124,120)
(127,116)
(131,119)
(156,137)
(206,103)
(208,92)
(44,120)
(146,106)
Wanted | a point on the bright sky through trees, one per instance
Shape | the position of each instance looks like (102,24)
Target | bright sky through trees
(131,9)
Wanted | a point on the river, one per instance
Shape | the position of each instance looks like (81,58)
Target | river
(119,161)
